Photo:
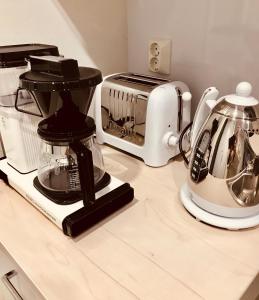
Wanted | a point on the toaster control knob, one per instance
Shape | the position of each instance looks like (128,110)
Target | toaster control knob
(170,140)
(173,141)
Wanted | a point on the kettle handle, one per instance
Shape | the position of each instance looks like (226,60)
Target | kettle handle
(86,171)
(202,112)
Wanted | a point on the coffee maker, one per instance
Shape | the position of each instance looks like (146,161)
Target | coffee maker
(70,186)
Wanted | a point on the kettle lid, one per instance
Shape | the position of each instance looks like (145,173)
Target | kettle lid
(242,96)
(240,105)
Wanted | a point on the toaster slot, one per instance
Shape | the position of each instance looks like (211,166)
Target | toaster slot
(124,115)
(155,79)
(136,80)
(143,80)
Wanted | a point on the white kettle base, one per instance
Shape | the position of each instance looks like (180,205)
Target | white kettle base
(209,218)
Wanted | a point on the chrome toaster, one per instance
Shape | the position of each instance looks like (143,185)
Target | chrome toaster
(142,115)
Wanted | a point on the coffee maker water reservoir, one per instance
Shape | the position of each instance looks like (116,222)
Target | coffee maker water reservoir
(18,137)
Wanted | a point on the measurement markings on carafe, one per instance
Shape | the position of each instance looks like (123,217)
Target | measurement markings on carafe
(74,182)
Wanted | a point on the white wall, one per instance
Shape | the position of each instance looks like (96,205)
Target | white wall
(214,42)
(82,29)
(93,32)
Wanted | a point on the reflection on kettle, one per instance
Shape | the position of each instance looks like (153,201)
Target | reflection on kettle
(244,189)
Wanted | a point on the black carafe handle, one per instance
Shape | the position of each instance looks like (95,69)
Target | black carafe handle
(86,171)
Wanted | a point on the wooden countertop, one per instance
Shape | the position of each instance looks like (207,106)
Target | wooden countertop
(152,250)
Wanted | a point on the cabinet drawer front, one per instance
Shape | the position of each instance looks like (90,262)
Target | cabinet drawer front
(6,280)
(14,284)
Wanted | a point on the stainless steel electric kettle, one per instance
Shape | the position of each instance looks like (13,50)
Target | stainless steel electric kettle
(224,163)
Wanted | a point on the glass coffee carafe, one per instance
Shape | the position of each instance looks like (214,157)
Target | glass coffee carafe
(58,167)
(63,164)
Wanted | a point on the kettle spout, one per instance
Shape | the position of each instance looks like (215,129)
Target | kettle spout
(207,102)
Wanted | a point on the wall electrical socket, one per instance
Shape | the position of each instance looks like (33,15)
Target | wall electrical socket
(159,56)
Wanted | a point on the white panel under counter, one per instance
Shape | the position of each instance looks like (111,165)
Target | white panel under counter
(152,249)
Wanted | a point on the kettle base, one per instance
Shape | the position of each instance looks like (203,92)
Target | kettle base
(212,219)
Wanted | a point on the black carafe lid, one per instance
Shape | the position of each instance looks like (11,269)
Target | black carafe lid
(67,124)
(52,73)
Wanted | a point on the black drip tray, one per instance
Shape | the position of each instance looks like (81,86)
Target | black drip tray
(66,198)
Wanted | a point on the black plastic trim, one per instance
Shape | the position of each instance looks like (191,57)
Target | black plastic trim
(16,55)
(48,130)
(84,218)
(85,171)
(41,82)
(63,198)
(19,171)
(4,177)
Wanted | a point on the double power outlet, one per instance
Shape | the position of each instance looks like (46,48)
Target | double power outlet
(159,56)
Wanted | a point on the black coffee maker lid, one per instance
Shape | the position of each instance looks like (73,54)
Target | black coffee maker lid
(16,55)
(54,73)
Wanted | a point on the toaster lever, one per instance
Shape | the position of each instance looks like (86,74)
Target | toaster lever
(180,108)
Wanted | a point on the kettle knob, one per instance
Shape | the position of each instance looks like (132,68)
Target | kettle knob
(244,89)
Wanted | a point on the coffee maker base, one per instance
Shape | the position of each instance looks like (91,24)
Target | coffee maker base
(212,219)
(74,218)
